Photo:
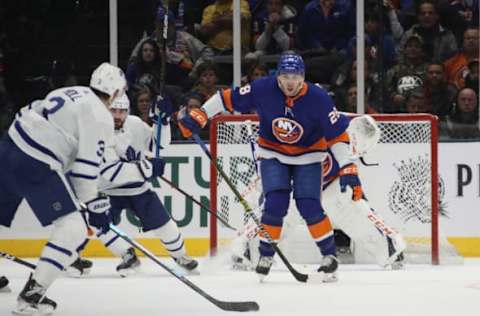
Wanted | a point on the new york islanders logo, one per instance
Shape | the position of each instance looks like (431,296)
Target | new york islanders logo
(287,130)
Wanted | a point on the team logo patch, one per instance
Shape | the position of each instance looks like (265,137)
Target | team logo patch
(327,165)
(287,130)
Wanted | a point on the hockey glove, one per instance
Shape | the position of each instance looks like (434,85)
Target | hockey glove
(100,221)
(349,177)
(99,204)
(153,167)
(162,108)
(191,122)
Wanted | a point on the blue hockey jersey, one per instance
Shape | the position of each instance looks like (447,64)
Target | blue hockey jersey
(295,130)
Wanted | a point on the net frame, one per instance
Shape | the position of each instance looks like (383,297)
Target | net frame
(431,119)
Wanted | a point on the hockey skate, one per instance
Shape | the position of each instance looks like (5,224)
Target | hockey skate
(263,267)
(129,263)
(242,262)
(186,262)
(4,285)
(32,300)
(79,268)
(328,268)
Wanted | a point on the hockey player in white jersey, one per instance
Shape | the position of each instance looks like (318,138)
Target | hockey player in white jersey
(124,178)
(66,133)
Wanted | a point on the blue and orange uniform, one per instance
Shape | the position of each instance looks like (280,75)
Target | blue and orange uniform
(295,134)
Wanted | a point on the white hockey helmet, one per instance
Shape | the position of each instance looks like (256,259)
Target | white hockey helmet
(109,79)
(364,134)
(121,103)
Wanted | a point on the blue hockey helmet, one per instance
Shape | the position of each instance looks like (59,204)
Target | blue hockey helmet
(290,63)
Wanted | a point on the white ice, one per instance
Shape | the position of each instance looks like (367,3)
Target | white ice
(361,290)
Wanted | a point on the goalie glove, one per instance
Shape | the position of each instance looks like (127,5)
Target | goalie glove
(191,122)
(349,177)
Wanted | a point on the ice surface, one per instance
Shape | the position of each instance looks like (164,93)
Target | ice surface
(362,290)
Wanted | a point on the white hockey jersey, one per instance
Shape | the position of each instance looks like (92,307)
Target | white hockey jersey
(68,130)
(119,176)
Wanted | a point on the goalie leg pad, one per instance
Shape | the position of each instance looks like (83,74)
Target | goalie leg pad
(356,219)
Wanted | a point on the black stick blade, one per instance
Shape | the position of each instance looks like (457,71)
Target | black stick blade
(249,306)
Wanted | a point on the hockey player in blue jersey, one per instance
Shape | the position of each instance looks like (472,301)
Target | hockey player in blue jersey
(67,132)
(298,123)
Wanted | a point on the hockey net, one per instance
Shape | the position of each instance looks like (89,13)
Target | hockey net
(403,187)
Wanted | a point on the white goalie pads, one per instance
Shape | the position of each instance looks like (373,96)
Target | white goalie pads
(366,229)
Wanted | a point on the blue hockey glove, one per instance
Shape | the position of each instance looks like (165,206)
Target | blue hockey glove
(162,108)
(100,221)
(153,167)
(158,165)
(192,121)
(349,177)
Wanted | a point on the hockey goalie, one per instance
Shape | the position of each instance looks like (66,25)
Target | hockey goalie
(348,211)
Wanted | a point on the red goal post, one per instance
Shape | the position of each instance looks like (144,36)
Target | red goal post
(408,147)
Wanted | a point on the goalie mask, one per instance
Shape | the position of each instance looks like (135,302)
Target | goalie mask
(364,134)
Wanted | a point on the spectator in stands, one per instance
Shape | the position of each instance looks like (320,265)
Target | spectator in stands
(217,26)
(395,25)
(255,71)
(440,42)
(457,15)
(439,94)
(351,101)
(415,102)
(206,85)
(324,28)
(378,37)
(341,87)
(146,66)
(273,29)
(184,51)
(457,66)
(412,64)
(143,99)
(471,80)
(463,122)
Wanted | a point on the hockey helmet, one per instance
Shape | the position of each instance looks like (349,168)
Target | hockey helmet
(364,134)
(290,63)
(108,79)
(121,103)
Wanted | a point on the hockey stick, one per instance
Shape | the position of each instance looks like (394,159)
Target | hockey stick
(301,277)
(205,207)
(17,260)
(224,305)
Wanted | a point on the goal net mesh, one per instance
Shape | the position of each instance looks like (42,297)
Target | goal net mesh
(398,186)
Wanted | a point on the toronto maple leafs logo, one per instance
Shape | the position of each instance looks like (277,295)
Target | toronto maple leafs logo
(410,195)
